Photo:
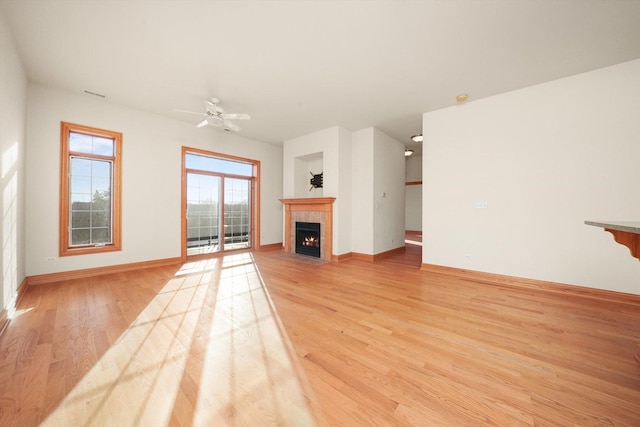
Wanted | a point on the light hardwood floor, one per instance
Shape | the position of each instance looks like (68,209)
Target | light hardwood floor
(275,339)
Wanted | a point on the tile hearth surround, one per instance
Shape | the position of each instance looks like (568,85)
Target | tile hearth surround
(316,209)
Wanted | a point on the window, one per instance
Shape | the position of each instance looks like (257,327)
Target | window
(89,190)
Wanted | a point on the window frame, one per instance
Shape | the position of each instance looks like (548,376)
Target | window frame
(65,197)
(254,180)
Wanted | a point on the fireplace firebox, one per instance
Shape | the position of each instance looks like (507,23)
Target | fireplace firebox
(308,238)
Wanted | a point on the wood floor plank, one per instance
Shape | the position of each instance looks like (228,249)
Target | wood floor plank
(275,339)
(500,350)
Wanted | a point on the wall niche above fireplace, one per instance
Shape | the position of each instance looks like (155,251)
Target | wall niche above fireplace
(306,168)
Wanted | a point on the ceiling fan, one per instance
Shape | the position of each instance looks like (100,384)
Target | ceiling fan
(214,115)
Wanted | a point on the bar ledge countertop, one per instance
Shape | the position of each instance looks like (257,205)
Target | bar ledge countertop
(626,233)
(628,226)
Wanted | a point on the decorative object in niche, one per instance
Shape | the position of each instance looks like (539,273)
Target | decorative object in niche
(315,181)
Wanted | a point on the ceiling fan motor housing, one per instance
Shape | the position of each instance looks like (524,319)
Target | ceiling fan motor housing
(214,115)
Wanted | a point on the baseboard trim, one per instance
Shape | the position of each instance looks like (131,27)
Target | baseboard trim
(4,314)
(362,257)
(271,247)
(386,254)
(342,257)
(42,279)
(560,288)
(4,320)
(370,258)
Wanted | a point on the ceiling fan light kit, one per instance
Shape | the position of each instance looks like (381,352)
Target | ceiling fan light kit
(214,115)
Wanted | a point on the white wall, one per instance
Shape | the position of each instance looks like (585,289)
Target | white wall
(13,90)
(362,191)
(413,207)
(316,145)
(388,193)
(413,168)
(377,183)
(151,176)
(335,145)
(345,208)
(545,159)
(413,194)
(364,171)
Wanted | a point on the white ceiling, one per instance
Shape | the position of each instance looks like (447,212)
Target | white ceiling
(302,66)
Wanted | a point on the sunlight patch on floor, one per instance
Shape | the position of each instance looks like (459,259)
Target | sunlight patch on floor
(248,378)
(199,266)
(413,242)
(136,380)
(17,313)
(247,375)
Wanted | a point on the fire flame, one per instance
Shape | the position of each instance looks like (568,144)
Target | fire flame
(310,241)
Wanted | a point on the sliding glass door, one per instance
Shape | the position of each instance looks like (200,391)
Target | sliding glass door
(218,204)
(237,211)
(203,213)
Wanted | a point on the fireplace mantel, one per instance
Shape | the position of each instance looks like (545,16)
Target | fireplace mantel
(321,209)
(309,201)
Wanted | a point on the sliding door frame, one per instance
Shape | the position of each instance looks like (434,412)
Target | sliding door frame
(254,202)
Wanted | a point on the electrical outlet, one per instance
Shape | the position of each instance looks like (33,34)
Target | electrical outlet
(50,258)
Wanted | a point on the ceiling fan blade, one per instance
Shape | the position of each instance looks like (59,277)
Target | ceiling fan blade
(190,112)
(231,126)
(214,115)
(235,116)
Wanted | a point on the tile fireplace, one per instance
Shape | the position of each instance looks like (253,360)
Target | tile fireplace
(317,210)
